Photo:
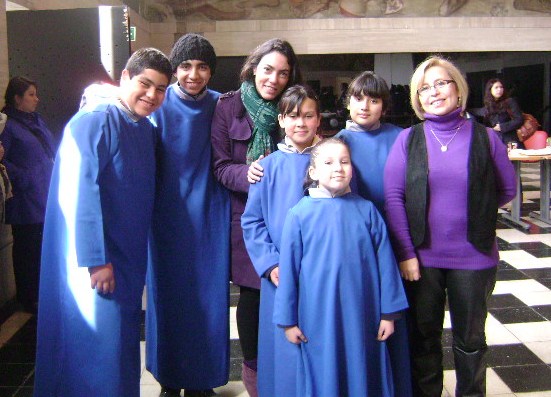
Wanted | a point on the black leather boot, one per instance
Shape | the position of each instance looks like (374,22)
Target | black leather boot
(470,371)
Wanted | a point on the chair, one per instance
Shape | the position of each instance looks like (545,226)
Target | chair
(536,141)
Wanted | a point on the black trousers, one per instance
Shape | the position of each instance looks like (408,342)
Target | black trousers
(27,248)
(247,318)
(468,292)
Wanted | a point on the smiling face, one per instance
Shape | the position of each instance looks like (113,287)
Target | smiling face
(145,92)
(301,125)
(193,76)
(28,102)
(272,75)
(439,101)
(366,111)
(497,90)
(332,168)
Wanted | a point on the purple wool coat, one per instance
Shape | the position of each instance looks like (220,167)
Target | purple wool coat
(230,134)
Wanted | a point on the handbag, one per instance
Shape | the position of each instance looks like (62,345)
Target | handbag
(528,128)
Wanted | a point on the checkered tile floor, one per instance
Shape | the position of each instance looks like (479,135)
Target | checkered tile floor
(518,327)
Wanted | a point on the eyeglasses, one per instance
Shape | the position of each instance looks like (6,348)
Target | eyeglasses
(438,85)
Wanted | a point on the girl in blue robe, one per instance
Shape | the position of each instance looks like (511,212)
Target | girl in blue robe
(280,188)
(370,140)
(95,241)
(340,288)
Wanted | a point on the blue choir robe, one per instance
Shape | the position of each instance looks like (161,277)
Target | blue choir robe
(99,209)
(280,188)
(187,316)
(369,152)
(337,276)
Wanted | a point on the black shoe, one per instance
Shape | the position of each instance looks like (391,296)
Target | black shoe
(168,392)
(199,393)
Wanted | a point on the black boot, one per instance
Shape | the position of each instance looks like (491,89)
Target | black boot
(470,370)
(168,392)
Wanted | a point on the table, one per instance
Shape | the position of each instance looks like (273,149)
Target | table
(516,204)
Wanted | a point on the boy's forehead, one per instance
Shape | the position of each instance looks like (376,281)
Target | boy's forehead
(154,77)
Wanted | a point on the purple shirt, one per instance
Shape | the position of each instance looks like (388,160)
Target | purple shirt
(446,244)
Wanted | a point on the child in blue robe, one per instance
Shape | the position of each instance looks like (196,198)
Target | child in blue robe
(188,304)
(280,188)
(94,254)
(370,140)
(339,288)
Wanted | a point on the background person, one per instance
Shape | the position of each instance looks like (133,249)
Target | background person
(500,112)
(244,129)
(444,182)
(29,151)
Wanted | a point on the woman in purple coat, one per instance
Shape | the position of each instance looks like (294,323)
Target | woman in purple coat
(245,129)
(29,158)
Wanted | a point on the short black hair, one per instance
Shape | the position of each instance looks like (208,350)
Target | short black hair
(148,58)
(369,84)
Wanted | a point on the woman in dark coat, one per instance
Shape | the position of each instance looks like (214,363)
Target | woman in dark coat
(500,112)
(244,129)
(29,158)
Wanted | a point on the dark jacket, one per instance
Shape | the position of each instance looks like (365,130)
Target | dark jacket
(29,158)
(230,133)
(509,120)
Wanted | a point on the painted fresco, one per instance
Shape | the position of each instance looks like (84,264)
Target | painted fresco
(224,10)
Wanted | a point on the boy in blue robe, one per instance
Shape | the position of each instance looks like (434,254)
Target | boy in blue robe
(340,290)
(280,188)
(94,256)
(187,326)
(370,140)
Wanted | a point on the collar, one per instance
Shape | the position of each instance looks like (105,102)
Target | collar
(287,146)
(183,94)
(353,126)
(446,122)
(124,107)
(320,192)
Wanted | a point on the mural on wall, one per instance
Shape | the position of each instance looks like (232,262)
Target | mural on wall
(224,10)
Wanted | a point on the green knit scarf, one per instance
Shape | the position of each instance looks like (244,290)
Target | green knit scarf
(264,116)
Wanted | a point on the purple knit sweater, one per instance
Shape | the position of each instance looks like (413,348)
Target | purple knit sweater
(446,244)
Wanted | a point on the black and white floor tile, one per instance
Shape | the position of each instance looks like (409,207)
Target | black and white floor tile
(518,327)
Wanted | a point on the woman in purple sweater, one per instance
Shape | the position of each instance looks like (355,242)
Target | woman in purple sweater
(444,182)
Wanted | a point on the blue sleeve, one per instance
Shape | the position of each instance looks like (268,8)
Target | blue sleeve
(286,299)
(83,153)
(261,249)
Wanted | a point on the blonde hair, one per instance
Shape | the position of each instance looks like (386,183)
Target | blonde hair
(419,76)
